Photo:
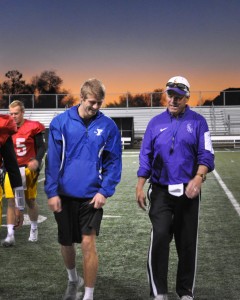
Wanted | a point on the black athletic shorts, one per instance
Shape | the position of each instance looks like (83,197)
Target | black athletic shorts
(77,218)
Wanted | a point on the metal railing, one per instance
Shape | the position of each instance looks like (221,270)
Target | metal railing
(123,100)
(213,118)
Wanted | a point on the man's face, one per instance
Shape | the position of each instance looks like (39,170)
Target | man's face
(89,107)
(17,114)
(176,103)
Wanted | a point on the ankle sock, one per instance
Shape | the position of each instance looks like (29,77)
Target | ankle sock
(88,293)
(34,225)
(72,274)
(10,229)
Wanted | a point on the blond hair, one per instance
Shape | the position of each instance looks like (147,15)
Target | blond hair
(93,87)
(16,103)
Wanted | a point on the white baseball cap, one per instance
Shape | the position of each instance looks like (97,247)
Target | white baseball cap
(179,85)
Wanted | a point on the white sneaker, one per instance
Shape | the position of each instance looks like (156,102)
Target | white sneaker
(9,241)
(72,289)
(161,297)
(33,237)
(186,298)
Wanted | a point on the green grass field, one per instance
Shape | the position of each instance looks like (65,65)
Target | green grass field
(35,271)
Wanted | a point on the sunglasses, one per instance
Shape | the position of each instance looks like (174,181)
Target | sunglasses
(181,86)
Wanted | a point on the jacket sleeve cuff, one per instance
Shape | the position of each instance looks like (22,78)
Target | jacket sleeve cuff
(143,173)
(104,193)
(52,194)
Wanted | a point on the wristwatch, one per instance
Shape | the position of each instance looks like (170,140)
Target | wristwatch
(202,175)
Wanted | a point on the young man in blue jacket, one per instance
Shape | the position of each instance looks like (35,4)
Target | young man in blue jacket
(176,154)
(83,167)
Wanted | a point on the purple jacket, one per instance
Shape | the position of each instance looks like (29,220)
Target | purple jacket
(172,148)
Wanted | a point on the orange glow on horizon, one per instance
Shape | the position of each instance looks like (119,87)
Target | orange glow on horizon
(116,89)
(196,98)
(117,85)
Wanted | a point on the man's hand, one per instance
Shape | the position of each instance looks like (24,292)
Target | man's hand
(140,195)
(98,200)
(141,198)
(194,187)
(55,204)
(33,165)
(19,217)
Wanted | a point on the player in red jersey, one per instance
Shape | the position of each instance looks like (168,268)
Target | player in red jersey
(30,149)
(8,162)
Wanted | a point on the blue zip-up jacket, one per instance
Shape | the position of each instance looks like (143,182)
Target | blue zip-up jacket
(82,160)
(172,148)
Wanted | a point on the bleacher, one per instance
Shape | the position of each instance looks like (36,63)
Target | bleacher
(44,116)
(233,120)
(222,121)
(141,116)
(216,119)
(222,132)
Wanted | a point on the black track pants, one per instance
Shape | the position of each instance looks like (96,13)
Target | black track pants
(172,217)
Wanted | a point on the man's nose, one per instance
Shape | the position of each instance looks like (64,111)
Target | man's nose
(96,105)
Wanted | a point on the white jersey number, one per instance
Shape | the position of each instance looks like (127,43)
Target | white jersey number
(21,147)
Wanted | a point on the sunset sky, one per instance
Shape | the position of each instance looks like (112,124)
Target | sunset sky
(131,45)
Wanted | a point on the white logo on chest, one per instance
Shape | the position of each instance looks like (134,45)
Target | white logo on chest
(98,131)
(189,128)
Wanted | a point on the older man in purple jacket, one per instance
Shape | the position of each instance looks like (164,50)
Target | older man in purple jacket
(176,154)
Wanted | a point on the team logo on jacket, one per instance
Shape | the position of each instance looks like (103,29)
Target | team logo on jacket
(98,132)
(162,129)
(189,128)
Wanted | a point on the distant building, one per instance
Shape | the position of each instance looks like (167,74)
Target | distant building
(230,96)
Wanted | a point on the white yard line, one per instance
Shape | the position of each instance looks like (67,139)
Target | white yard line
(229,194)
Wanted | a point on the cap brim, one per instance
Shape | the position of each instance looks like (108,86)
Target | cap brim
(177,90)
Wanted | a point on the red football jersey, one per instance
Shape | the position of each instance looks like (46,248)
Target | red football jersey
(23,140)
(7,128)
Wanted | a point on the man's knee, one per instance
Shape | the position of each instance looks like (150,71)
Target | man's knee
(162,236)
(11,203)
(31,203)
(89,244)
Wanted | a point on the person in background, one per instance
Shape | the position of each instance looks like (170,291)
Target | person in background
(29,148)
(176,155)
(83,168)
(8,162)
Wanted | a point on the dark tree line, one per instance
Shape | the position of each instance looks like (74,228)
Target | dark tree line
(48,84)
(154,99)
(44,87)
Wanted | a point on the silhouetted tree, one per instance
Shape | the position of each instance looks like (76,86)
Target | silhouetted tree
(139,100)
(15,84)
(47,83)
(66,99)
(157,99)
(121,102)
(46,87)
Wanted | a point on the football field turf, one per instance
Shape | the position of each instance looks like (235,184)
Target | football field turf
(35,271)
